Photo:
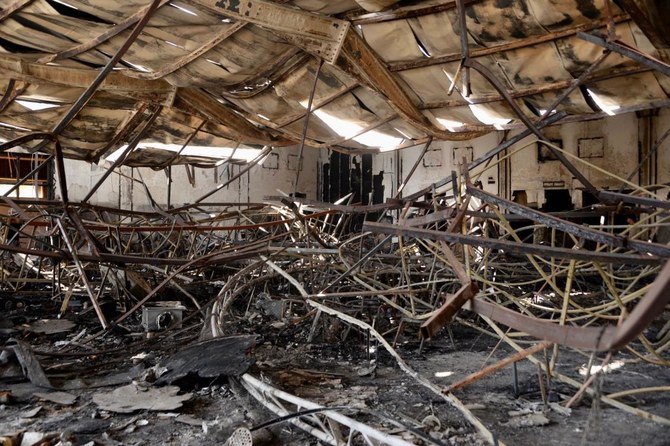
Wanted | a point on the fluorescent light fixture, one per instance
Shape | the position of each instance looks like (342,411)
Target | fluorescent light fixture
(604,104)
(36,106)
(181,8)
(487,117)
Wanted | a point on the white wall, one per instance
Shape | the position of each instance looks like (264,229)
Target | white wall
(620,138)
(253,186)
(443,157)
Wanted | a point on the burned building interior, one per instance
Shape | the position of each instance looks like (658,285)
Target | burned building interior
(356,222)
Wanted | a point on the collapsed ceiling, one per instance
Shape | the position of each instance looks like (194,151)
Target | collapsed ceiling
(153,83)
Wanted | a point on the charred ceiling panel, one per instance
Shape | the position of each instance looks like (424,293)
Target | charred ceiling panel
(436,33)
(491,23)
(577,55)
(532,65)
(573,104)
(391,77)
(640,88)
(393,41)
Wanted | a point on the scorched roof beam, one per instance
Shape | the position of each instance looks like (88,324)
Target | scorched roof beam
(329,38)
(571,228)
(652,18)
(360,61)
(13,7)
(514,45)
(407,12)
(513,248)
(19,69)
(102,74)
(316,34)
(627,51)
(102,37)
(195,101)
(546,88)
(489,76)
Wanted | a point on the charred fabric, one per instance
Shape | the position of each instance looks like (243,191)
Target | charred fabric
(157,310)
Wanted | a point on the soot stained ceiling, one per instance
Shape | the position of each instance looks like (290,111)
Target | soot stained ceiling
(197,81)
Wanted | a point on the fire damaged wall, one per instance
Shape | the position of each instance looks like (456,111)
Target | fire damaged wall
(343,174)
(613,145)
(275,175)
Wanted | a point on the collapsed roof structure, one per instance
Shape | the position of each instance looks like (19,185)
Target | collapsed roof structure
(244,74)
(212,83)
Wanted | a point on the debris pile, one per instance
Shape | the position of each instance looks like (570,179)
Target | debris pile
(129,300)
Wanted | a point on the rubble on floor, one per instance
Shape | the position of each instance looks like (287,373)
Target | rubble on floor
(460,319)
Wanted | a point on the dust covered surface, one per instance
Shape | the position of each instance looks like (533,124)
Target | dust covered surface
(354,374)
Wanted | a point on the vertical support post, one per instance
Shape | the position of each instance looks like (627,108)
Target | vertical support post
(60,173)
(305,126)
